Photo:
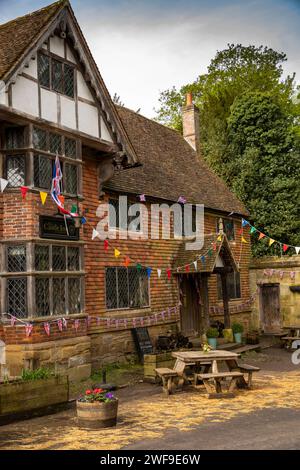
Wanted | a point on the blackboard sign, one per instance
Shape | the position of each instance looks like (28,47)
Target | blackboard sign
(55,227)
(142,341)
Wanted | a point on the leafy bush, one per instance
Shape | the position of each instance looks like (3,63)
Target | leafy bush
(237,328)
(212,333)
(36,374)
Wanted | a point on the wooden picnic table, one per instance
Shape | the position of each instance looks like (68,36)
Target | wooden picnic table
(209,360)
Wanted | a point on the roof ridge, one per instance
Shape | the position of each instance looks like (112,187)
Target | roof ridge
(40,10)
(149,119)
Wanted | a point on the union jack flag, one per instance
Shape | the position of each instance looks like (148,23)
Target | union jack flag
(56,188)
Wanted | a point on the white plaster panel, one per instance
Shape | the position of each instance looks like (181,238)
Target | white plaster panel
(3,94)
(57,46)
(32,69)
(68,112)
(88,119)
(83,91)
(70,56)
(105,135)
(25,96)
(48,105)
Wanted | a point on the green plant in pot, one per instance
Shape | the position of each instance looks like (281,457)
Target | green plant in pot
(212,334)
(237,329)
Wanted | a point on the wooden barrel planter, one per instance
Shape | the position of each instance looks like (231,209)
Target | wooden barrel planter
(97,415)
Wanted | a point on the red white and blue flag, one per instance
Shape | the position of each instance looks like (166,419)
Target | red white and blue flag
(56,188)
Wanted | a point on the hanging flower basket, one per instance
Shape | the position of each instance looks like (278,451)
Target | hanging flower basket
(97,409)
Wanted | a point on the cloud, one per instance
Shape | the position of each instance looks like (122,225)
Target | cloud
(143,47)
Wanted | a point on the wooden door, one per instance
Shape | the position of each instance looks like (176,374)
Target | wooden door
(270,307)
(190,308)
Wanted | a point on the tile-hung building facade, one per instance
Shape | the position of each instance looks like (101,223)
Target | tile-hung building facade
(66,300)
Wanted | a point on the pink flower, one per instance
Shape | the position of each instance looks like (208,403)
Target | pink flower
(88,392)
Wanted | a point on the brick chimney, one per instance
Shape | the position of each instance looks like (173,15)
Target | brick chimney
(190,120)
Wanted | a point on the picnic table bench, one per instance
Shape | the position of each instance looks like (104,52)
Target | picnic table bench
(213,383)
(168,377)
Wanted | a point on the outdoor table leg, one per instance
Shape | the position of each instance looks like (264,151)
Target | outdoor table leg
(233,365)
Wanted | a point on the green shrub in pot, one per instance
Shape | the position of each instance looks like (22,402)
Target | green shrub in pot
(237,329)
(212,334)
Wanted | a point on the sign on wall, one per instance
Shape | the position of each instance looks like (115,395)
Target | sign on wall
(55,228)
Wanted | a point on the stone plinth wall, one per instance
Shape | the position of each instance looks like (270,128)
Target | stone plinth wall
(68,356)
(275,270)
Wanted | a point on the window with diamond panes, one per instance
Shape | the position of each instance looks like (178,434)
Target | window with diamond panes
(39,138)
(41,257)
(43,171)
(59,296)
(58,258)
(126,288)
(73,258)
(68,80)
(44,70)
(42,297)
(55,143)
(70,148)
(70,178)
(16,258)
(15,170)
(74,295)
(14,138)
(17,297)
(57,76)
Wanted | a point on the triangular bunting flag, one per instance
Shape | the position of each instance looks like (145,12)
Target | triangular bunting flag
(83,220)
(117,253)
(195,264)
(142,198)
(149,271)
(3,184)
(297,248)
(43,196)
(127,261)
(253,230)
(203,259)
(105,245)
(187,268)
(95,234)
(138,266)
(47,328)
(219,239)
(159,272)
(169,272)
(244,222)
(181,200)
(24,191)
(271,241)
(285,248)
(209,252)
(244,240)
(240,231)
(261,235)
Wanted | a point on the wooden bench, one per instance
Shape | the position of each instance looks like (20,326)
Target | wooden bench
(214,389)
(167,375)
(247,369)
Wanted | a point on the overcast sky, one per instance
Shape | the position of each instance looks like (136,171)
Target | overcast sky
(145,46)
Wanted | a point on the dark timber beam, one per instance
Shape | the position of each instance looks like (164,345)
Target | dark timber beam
(225,300)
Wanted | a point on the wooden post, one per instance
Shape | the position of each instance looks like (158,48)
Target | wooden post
(225,300)
(205,302)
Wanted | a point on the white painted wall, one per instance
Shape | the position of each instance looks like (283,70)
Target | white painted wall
(70,55)
(49,105)
(2,353)
(88,119)
(25,96)
(105,135)
(83,90)
(32,69)
(68,112)
(57,46)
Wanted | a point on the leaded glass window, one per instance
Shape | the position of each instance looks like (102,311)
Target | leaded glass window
(43,171)
(15,170)
(39,139)
(73,258)
(42,296)
(14,137)
(57,76)
(42,259)
(16,258)
(69,80)
(55,143)
(17,297)
(74,295)
(59,296)
(70,178)
(127,288)
(70,148)
(44,70)
(58,258)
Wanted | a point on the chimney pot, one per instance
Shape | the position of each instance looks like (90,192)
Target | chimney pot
(189,99)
